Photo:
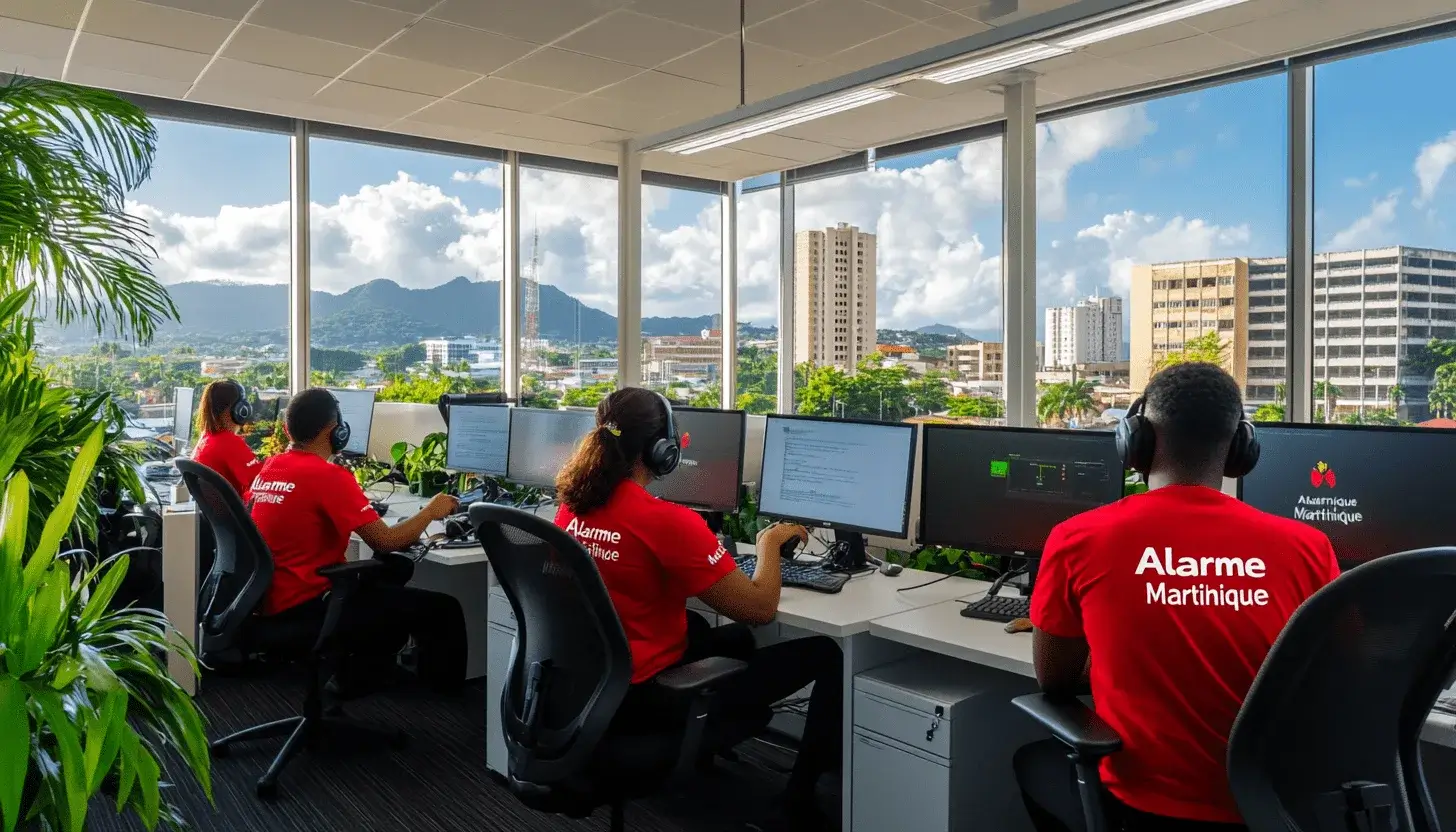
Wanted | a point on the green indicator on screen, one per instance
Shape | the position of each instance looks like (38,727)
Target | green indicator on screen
(1000,468)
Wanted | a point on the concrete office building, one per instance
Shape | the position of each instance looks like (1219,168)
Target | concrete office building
(977,361)
(448,351)
(666,357)
(834,296)
(1088,333)
(1173,303)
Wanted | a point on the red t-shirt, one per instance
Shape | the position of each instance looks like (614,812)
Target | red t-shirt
(653,556)
(1180,593)
(305,508)
(226,453)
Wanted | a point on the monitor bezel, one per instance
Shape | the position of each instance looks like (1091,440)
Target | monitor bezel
(188,423)
(509,455)
(742,451)
(993,549)
(904,531)
(373,400)
(1260,427)
(449,467)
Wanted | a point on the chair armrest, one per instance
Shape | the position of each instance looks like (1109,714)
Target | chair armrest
(701,676)
(1073,723)
(351,570)
(343,578)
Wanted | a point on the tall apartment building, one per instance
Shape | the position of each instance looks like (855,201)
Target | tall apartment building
(448,351)
(976,361)
(1087,333)
(1374,310)
(1173,303)
(834,296)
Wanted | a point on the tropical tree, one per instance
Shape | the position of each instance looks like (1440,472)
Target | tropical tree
(1209,348)
(1442,397)
(1274,411)
(1396,395)
(710,396)
(759,403)
(1327,392)
(588,396)
(1062,401)
(980,407)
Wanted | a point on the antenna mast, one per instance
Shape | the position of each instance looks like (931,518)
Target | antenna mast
(533,303)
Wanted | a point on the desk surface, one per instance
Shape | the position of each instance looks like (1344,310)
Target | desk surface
(940,628)
(867,598)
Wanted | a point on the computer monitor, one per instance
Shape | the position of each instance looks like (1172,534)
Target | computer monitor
(1001,490)
(478,439)
(448,400)
(357,408)
(541,442)
(851,476)
(269,405)
(1374,490)
(182,401)
(711,471)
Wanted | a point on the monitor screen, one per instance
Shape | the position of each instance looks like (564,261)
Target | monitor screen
(357,407)
(541,442)
(712,460)
(269,405)
(853,476)
(478,439)
(1374,491)
(182,415)
(1001,490)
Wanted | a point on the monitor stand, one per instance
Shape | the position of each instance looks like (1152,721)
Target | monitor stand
(849,552)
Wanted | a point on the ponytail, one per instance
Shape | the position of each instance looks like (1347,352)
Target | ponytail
(588,480)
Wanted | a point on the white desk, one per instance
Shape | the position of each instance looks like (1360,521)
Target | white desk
(940,628)
(867,598)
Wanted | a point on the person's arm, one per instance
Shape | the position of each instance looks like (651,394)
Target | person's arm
(1063,665)
(755,600)
(381,537)
(1060,652)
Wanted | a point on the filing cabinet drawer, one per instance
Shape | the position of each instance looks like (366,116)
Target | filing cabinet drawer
(920,730)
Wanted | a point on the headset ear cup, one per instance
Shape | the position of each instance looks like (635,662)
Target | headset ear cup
(339,437)
(1243,452)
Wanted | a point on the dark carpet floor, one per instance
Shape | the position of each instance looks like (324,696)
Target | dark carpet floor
(438,783)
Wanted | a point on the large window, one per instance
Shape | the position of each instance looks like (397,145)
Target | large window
(568,288)
(405,271)
(682,295)
(759,214)
(897,289)
(222,241)
(1161,238)
(1385,254)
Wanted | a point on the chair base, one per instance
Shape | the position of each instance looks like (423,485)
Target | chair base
(302,731)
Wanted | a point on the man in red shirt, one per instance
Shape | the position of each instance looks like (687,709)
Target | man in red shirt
(1167,602)
(306,507)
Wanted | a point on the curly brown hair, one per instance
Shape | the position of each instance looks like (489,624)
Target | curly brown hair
(629,421)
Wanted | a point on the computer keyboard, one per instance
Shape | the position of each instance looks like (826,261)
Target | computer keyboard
(801,575)
(1446,702)
(1000,608)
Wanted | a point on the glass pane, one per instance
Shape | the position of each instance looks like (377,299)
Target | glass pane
(682,295)
(758,301)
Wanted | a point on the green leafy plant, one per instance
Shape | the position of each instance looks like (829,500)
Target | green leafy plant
(86,703)
(423,465)
(744,524)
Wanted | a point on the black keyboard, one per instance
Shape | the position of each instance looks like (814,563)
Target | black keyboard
(801,575)
(1001,608)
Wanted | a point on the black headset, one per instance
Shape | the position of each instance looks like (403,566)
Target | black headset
(339,436)
(241,410)
(664,453)
(1136,441)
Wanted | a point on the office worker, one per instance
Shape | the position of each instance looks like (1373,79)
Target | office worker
(654,555)
(305,507)
(224,411)
(1170,600)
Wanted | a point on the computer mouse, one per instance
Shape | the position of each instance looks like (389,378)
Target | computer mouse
(891,569)
(789,547)
(379,508)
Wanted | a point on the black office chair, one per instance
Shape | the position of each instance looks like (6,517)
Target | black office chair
(570,670)
(230,629)
(1328,739)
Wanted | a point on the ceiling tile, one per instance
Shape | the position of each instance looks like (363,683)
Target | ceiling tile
(827,26)
(896,44)
(466,116)
(715,15)
(341,21)
(547,128)
(1075,76)
(1194,54)
(562,70)
(61,13)
(348,95)
(918,9)
(512,95)
(802,76)
(717,63)
(1286,32)
(1135,41)
(786,147)
(22,38)
(1249,12)
(670,91)
(109,79)
(411,6)
(446,132)
(636,39)
(958,25)
(727,156)
(457,46)
(538,21)
(285,50)
(36,66)
(229,76)
(411,76)
(230,9)
(636,116)
(161,25)
(137,58)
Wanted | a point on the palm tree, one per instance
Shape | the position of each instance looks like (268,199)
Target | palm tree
(1064,400)
(68,157)
(1328,392)
(1395,396)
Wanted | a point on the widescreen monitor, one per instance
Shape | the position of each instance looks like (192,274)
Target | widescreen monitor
(182,403)
(1001,490)
(1374,491)
(478,439)
(269,405)
(712,460)
(541,441)
(357,408)
(852,476)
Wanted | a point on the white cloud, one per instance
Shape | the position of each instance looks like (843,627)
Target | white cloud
(1357,182)
(1370,230)
(1431,164)
(1063,144)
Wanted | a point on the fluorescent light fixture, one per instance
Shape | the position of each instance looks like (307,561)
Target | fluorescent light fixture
(982,66)
(1145,20)
(843,102)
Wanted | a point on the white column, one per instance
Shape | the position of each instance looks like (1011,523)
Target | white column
(728,320)
(629,268)
(786,298)
(510,291)
(1018,254)
(1299,321)
(298,296)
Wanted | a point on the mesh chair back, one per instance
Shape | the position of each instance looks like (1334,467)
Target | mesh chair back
(242,569)
(571,665)
(1343,696)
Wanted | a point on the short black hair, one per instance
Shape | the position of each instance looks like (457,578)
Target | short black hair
(309,413)
(1196,408)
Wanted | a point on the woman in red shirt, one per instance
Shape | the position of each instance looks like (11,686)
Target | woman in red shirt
(224,411)
(654,555)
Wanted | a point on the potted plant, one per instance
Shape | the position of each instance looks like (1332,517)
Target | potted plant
(86,704)
(423,465)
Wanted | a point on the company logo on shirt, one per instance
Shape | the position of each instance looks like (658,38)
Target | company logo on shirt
(717,556)
(1203,593)
(1324,508)
(271,491)
(593,538)
(1322,474)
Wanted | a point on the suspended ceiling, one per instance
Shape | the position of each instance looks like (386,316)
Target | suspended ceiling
(574,78)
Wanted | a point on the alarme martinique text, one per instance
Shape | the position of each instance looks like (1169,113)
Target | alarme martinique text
(1205,593)
(1328,510)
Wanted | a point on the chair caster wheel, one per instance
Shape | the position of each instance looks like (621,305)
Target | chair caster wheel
(267,790)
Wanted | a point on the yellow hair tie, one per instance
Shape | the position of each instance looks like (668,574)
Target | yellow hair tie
(611,427)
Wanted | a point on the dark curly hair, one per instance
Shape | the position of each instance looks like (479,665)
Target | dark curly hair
(1195,408)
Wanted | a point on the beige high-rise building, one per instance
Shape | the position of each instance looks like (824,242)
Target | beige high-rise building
(976,361)
(1173,303)
(834,296)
